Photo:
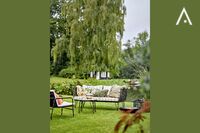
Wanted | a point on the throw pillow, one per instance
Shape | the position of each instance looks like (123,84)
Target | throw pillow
(59,101)
(96,88)
(115,91)
(80,91)
(100,93)
(107,88)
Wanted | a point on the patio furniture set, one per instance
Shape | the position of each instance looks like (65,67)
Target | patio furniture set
(91,94)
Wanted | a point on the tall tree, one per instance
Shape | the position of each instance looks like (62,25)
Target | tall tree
(94,29)
(57,36)
(136,56)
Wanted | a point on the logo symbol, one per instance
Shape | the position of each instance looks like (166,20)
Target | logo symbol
(185,20)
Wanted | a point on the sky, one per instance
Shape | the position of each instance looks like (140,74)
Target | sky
(137,18)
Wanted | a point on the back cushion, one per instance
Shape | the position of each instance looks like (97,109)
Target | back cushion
(80,91)
(100,93)
(52,97)
(59,101)
(96,89)
(91,89)
(115,91)
(87,89)
(107,88)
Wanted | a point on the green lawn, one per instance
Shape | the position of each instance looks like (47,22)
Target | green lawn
(102,121)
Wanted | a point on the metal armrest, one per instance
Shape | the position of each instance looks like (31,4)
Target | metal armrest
(65,97)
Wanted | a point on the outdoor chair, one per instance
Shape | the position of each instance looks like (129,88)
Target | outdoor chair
(55,103)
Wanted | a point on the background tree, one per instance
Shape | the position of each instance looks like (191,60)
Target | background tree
(136,57)
(136,64)
(93,33)
(57,36)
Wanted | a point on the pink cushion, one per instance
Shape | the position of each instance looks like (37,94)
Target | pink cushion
(59,101)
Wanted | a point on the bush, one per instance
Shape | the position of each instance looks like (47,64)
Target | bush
(65,88)
(71,73)
(67,73)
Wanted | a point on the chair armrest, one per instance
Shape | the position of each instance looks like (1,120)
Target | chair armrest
(65,97)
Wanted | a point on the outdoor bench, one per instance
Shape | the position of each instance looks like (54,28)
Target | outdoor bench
(100,93)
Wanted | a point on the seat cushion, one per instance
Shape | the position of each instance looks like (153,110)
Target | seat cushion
(65,104)
(79,97)
(106,99)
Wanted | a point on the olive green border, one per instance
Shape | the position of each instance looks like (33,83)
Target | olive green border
(24,67)
(175,67)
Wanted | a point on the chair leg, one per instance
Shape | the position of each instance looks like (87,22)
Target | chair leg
(95,107)
(73,110)
(83,104)
(75,103)
(51,113)
(61,111)
(79,107)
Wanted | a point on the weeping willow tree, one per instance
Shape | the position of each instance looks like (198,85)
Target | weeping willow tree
(94,29)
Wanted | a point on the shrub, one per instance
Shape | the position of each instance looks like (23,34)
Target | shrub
(65,88)
(71,73)
(67,73)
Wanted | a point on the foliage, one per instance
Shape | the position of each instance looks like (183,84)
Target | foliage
(62,62)
(63,88)
(93,33)
(145,85)
(128,119)
(67,73)
(57,36)
(70,72)
(136,57)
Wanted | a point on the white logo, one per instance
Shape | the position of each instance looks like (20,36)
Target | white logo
(185,20)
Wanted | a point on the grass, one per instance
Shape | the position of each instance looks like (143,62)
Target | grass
(102,121)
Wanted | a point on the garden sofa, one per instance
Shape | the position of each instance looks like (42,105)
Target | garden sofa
(100,93)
